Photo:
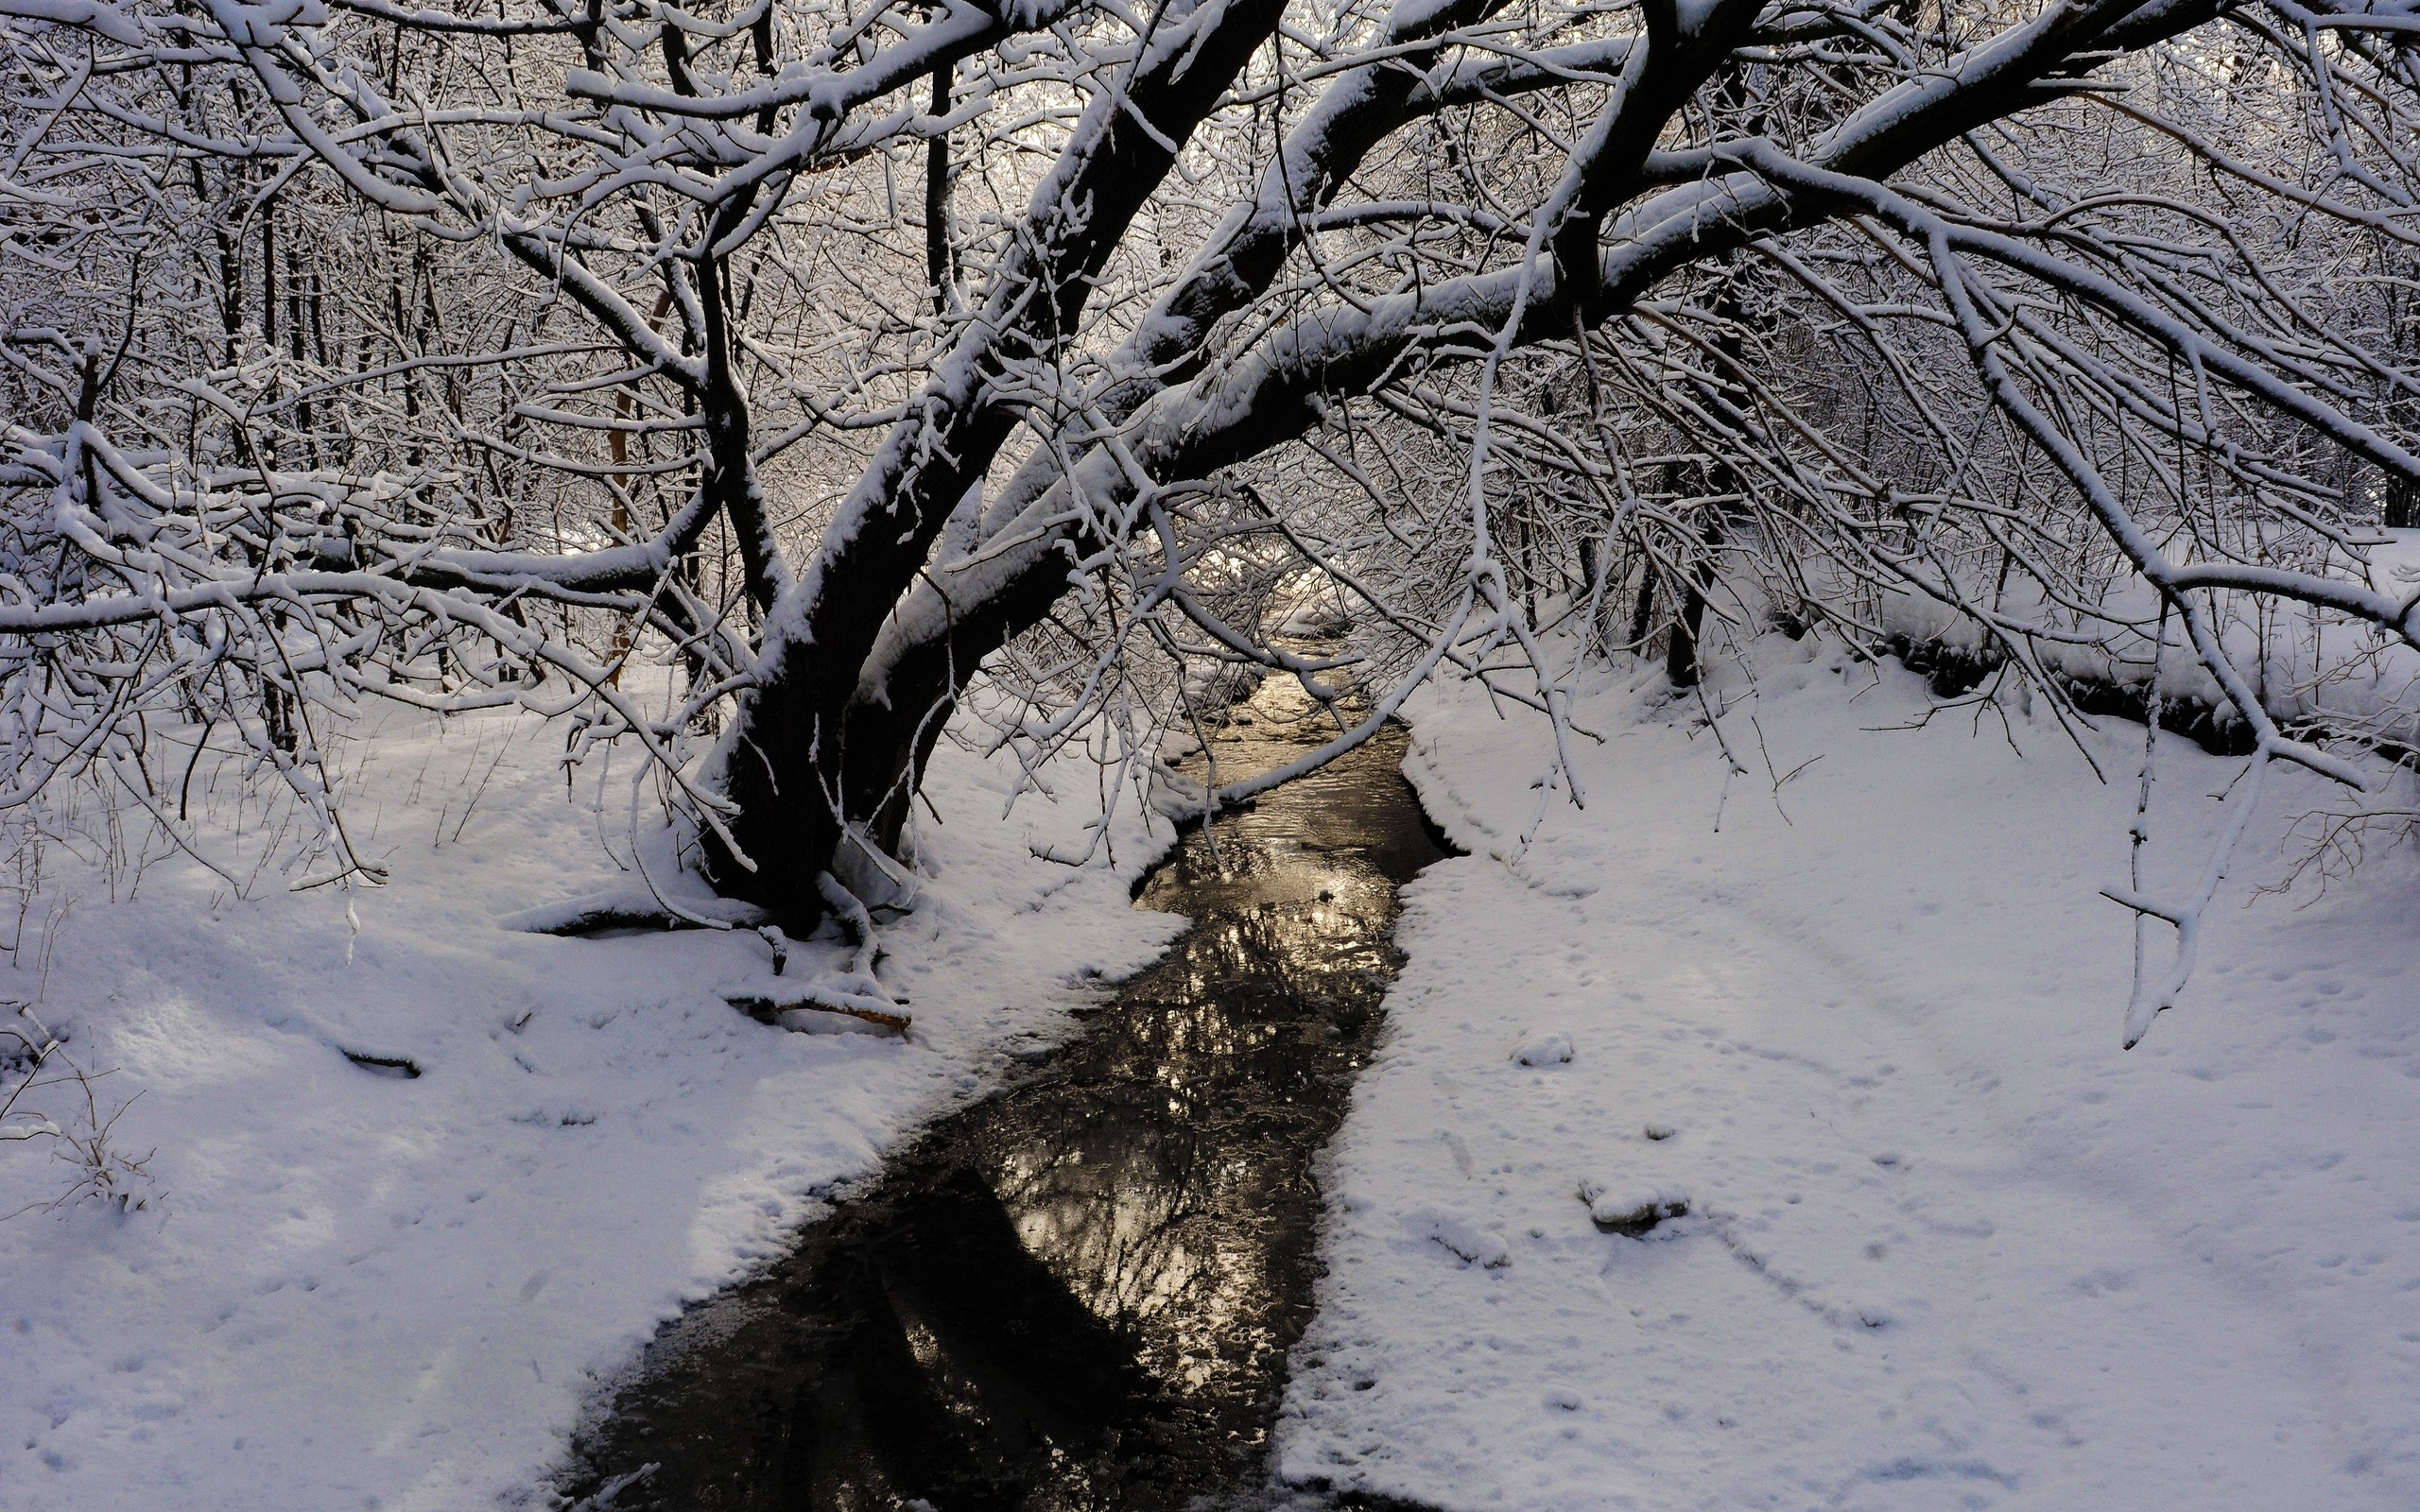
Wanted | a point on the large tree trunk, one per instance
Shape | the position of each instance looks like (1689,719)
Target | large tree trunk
(800,788)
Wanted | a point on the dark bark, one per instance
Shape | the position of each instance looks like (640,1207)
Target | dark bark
(891,741)
(809,757)
(792,774)
(937,272)
(1681,648)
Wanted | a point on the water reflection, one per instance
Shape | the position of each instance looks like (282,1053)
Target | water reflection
(1077,1295)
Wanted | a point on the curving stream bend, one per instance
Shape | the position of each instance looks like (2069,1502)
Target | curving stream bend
(1078,1295)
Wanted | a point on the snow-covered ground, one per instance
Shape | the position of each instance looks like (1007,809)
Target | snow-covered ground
(1948,1245)
(349,1290)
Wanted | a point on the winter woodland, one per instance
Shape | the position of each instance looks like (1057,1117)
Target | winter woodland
(853,362)
(823,419)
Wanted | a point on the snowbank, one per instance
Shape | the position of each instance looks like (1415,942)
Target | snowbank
(2309,666)
(1945,1245)
(360,1290)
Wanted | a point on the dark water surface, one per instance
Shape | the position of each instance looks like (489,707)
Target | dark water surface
(1079,1294)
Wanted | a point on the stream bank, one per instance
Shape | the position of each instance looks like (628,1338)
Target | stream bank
(1079,1294)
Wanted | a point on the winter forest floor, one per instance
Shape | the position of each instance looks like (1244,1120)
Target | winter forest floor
(1948,1245)
(356,1291)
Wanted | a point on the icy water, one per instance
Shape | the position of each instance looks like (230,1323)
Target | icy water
(1077,1295)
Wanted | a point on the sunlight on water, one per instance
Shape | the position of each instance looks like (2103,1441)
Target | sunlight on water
(1078,1295)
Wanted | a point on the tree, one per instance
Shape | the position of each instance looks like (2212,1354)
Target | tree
(866,359)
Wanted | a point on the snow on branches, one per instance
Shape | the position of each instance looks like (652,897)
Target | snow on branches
(853,362)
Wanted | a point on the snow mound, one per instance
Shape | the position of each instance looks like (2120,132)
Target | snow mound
(1543,1050)
(1463,1239)
(1632,1207)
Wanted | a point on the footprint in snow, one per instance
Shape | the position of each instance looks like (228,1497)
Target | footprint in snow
(1463,1239)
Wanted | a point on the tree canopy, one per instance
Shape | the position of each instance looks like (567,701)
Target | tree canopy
(852,360)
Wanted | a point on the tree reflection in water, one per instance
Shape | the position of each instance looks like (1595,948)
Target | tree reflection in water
(1077,1296)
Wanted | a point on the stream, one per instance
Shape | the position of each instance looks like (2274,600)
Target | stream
(1077,1294)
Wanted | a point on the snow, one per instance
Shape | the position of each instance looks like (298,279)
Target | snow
(2328,668)
(1945,1245)
(1736,1143)
(350,1289)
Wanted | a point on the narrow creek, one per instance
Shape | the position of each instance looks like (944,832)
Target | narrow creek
(1077,1296)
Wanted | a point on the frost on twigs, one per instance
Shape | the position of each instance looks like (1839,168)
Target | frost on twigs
(767,403)
(83,1137)
(850,999)
(807,1011)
